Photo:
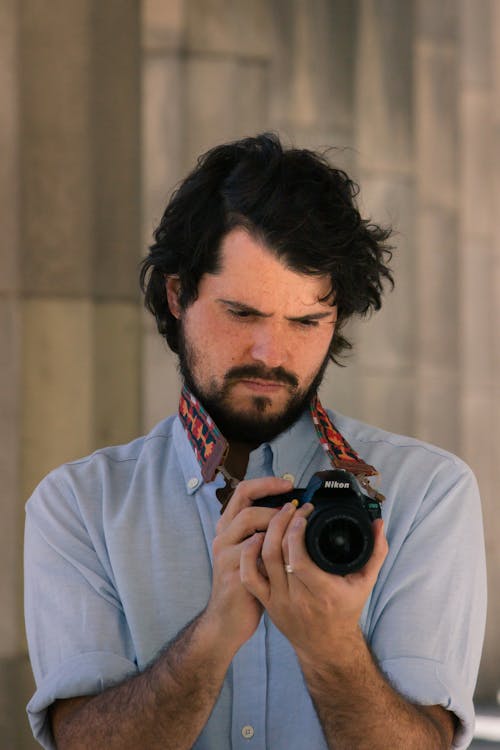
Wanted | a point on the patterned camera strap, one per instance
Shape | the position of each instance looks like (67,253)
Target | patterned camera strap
(211,448)
(341,454)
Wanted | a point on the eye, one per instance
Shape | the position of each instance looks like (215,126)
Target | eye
(307,323)
(241,314)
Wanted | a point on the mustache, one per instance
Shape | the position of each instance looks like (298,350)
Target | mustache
(275,374)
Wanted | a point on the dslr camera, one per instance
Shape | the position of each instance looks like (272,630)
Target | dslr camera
(339,536)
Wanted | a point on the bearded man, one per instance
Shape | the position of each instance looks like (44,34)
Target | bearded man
(164,608)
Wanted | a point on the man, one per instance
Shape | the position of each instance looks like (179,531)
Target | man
(154,620)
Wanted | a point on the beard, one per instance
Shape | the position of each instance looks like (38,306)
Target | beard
(256,425)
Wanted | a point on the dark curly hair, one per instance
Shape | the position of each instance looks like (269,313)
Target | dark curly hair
(294,202)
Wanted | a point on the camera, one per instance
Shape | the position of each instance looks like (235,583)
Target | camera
(339,536)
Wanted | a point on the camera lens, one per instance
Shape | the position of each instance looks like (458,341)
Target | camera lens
(339,538)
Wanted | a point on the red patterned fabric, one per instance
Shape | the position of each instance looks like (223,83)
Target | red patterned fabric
(210,446)
(340,452)
(207,441)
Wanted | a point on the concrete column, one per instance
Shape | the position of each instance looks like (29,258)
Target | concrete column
(69,210)
(80,228)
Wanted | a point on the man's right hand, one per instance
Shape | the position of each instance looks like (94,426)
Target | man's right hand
(231,607)
(178,691)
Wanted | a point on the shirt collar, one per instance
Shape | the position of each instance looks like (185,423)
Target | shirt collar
(210,446)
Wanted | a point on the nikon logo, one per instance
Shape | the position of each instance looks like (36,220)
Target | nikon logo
(332,484)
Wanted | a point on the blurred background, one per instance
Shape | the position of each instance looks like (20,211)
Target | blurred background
(105,105)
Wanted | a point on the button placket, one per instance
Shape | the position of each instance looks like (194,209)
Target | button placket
(249,688)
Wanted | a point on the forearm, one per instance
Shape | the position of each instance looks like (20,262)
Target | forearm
(168,705)
(357,707)
(165,706)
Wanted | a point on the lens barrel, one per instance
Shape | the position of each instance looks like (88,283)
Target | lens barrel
(339,537)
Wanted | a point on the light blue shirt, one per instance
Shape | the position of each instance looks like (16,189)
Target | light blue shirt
(118,560)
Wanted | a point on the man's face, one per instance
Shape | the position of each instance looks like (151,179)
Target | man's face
(254,345)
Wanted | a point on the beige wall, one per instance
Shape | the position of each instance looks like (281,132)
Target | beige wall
(411,89)
(69,315)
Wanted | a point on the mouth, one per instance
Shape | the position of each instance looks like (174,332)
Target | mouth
(258,385)
(261,378)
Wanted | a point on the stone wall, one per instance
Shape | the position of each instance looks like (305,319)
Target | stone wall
(408,90)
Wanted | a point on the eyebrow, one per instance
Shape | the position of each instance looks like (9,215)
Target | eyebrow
(259,314)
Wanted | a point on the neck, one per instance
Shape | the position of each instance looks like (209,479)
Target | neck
(237,458)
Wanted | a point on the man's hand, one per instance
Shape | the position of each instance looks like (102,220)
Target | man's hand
(232,606)
(312,608)
(177,692)
(319,614)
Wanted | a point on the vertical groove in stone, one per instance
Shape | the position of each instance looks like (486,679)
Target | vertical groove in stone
(115,142)
(11,505)
(11,508)
(312,101)
(437,144)
(318,72)
(9,147)
(384,85)
(383,368)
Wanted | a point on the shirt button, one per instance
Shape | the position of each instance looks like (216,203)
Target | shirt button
(290,477)
(193,483)
(247,732)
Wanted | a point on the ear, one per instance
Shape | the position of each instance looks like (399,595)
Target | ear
(173,288)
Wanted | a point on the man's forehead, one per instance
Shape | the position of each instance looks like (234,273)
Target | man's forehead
(249,267)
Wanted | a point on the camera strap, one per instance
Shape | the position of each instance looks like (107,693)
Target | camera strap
(210,446)
(341,454)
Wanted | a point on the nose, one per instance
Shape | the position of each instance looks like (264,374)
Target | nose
(269,345)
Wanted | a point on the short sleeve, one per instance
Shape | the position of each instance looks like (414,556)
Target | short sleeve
(78,638)
(429,605)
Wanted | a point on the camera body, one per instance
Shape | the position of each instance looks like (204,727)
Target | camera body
(339,536)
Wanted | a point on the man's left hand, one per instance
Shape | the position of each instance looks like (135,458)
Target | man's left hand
(312,608)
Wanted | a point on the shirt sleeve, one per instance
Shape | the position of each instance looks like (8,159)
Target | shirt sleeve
(429,604)
(78,637)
